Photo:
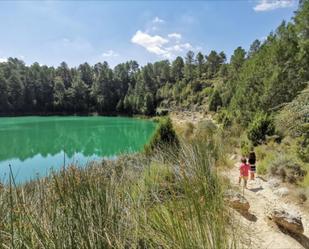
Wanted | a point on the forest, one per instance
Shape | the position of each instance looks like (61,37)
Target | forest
(177,192)
(259,81)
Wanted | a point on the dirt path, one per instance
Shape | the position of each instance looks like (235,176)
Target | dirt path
(263,196)
(181,118)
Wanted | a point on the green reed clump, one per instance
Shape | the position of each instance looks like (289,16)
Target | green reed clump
(173,199)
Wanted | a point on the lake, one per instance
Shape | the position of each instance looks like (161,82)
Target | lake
(34,145)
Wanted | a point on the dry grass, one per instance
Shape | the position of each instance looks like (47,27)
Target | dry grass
(172,200)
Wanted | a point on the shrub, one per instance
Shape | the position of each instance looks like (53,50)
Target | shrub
(189,130)
(206,129)
(245,147)
(261,126)
(215,101)
(305,182)
(164,135)
(261,152)
(303,145)
(157,183)
(294,115)
(207,91)
(287,167)
(261,169)
(225,118)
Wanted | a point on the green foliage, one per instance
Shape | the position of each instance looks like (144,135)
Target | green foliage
(131,202)
(245,146)
(261,126)
(149,108)
(215,101)
(224,117)
(207,91)
(271,74)
(163,136)
(292,118)
(287,167)
(303,144)
(262,168)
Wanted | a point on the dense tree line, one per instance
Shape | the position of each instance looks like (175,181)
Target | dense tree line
(273,73)
(262,79)
(127,88)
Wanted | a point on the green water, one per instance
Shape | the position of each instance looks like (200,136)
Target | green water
(35,145)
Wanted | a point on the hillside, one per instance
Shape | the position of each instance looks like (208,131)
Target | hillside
(180,190)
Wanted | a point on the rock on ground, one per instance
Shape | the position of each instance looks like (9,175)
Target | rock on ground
(287,220)
(237,201)
(281,192)
(273,183)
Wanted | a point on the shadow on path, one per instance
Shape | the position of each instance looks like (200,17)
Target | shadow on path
(263,179)
(255,190)
(247,215)
(300,238)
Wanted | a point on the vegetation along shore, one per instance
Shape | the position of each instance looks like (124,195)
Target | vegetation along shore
(181,190)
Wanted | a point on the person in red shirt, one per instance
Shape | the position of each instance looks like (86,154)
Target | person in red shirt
(244,171)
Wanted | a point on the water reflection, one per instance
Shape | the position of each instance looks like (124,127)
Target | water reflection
(34,144)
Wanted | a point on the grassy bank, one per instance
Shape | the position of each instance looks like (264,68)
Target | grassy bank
(172,198)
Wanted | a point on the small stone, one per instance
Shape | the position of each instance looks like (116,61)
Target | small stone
(273,183)
(281,192)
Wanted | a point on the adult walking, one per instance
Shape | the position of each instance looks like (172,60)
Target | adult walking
(252,162)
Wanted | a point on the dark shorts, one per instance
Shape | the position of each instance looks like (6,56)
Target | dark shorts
(252,168)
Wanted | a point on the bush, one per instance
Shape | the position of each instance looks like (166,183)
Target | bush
(261,126)
(261,152)
(189,130)
(225,118)
(303,145)
(164,135)
(245,147)
(262,168)
(207,91)
(287,167)
(215,101)
(294,115)
(157,183)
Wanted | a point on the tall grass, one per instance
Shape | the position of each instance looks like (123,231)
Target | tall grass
(172,200)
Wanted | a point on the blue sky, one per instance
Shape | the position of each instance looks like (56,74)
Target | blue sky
(50,32)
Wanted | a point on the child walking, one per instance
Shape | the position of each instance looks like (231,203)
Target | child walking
(252,160)
(244,171)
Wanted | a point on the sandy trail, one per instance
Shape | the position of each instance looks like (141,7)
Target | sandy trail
(262,197)
(259,232)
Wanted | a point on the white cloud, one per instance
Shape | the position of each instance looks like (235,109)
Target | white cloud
(158,20)
(180,47)
(153,44)
(167,47)
(3,59)
(176,36)
(267,5)
(110,53)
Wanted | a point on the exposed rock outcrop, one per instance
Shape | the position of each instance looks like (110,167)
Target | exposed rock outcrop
(286,220)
